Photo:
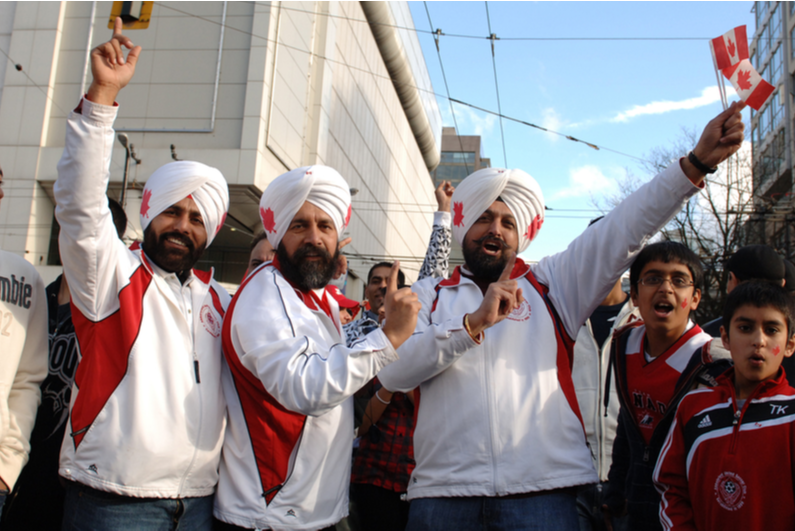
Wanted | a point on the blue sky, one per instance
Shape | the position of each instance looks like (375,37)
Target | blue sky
(630,96)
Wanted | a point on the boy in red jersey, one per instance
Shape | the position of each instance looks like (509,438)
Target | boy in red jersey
(656,363)
(716,430)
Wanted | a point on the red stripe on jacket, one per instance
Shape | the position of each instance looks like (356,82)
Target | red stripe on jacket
(105,347)
(273,430)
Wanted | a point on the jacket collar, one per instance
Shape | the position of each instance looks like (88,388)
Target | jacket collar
(520,269)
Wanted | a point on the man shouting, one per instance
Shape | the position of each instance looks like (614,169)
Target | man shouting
(499,440)
(144,436)
(287,450)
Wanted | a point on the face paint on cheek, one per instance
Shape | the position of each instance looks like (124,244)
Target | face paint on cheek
(776,350)
(684,303)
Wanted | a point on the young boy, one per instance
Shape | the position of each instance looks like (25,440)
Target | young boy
(656,363)
(728,461)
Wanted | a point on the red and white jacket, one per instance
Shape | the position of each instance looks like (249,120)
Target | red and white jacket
(147,413)
(289,385)
(502,417)
(729,467)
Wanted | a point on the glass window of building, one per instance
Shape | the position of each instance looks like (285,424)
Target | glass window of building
(763,44)
(775,24)
(776,110)
(776,65)
(792,39)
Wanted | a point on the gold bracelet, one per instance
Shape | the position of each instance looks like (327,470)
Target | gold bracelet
(477,339)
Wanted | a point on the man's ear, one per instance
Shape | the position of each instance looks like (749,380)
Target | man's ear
(724,337)
(695,300)
(790,347)
(633,294)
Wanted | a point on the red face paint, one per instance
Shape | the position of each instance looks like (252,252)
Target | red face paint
(776,350)
(684,303)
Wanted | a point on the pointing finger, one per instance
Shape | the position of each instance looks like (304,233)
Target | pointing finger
(391,283)
(506,273)
(117,26)
(344,242)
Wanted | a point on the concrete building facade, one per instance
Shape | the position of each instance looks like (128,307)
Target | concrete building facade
(253,89)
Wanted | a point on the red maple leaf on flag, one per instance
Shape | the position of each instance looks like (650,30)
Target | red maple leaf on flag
(348,216)
(731,48)
(267,219)
(145,203)
(744,79)
(458,217)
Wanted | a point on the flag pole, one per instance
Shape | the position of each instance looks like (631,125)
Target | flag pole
(721,86)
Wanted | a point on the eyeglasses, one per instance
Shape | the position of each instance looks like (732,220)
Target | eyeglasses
(653,281)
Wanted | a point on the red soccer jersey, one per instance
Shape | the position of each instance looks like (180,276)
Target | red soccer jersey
(651,385)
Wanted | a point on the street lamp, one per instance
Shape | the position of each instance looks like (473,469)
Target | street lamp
(130,153)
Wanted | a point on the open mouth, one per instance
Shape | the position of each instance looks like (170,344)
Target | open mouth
(663,309)
(492,247)
(757,360)
(177,243)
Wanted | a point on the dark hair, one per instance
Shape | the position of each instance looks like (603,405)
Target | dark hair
(667,252)
(256,239)
(759,294)
(401,276)
(119,217)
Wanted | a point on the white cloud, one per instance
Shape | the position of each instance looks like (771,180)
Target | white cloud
(708,96)
(587,180)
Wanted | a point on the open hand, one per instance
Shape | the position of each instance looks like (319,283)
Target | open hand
(501,298)
(401,307)
(110,69)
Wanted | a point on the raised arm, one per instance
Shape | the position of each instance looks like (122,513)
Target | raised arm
(582,275)
(89,246)
(437,257)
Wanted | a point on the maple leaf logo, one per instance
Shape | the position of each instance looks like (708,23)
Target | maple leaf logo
(348,216)
(458,216)
(267,219)
(145,203)
(731,48)
(534,227)
(744,79)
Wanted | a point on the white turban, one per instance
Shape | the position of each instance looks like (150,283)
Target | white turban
(175,181)
(283,198)
(518,191)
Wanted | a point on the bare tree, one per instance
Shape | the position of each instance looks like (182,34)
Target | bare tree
(712,223)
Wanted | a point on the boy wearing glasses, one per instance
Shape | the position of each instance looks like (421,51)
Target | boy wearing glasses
(656,362)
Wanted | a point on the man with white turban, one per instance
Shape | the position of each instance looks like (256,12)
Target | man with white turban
(146,423)
(287,449)
(499,441)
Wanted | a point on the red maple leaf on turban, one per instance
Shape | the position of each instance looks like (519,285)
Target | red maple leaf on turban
(458,217)
(145,203)
(534,227)
(348,216)
(744,79)
(267,219)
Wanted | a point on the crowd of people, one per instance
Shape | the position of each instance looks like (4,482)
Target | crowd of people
(501,395)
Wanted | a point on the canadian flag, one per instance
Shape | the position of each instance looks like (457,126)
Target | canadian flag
(730,48)
(750,86)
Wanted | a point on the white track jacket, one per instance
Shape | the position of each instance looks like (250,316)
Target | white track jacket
(147,414)
(502,417)
(287,451)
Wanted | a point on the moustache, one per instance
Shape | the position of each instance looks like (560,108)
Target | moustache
(492,239)
(311,251)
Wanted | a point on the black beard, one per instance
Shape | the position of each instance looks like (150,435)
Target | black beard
(304,274)
(483,266)
(171,261)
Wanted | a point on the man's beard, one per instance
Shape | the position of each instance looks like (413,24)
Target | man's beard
(485,267)
(171,261)
(307,274)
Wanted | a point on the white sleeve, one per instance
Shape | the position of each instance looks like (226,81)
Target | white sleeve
(88,243)
(24,395)
(431,349)
(580,277)
(275,337)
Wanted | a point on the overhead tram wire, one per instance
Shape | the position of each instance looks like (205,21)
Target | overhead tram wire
(493,37)
(464,36)
(446,87)
(374,74)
